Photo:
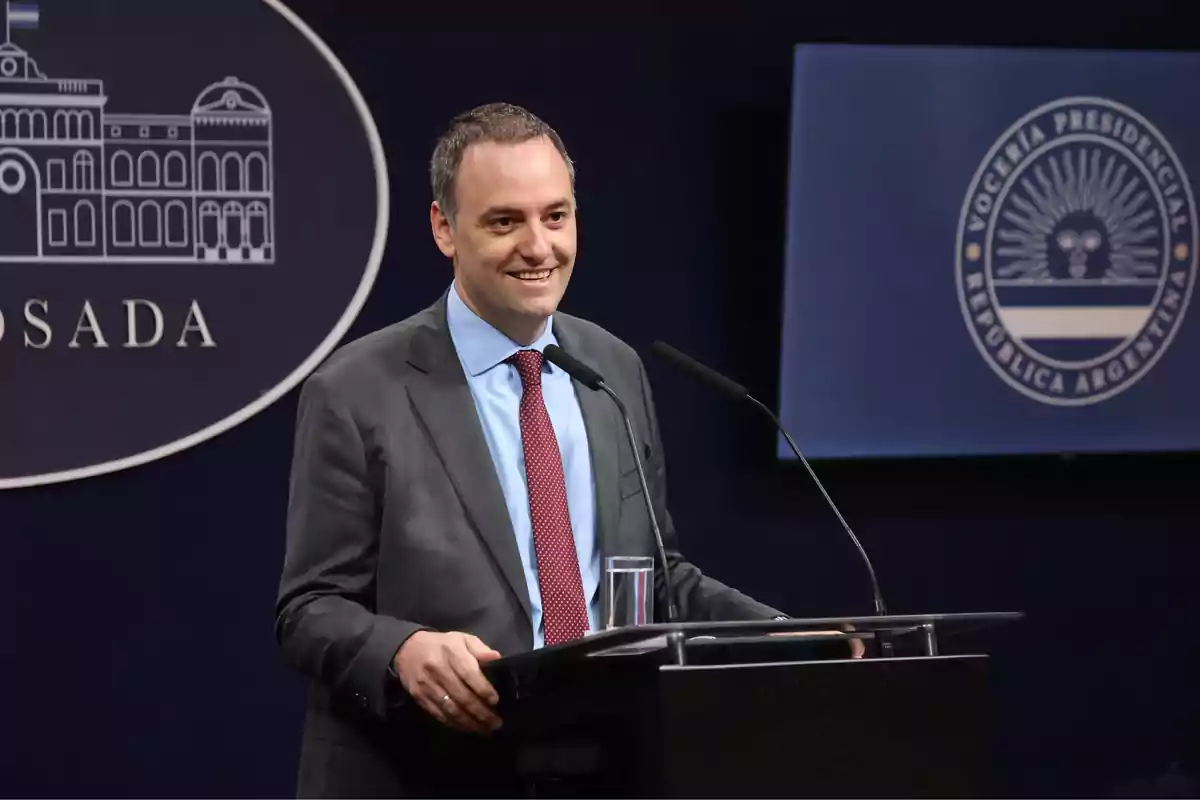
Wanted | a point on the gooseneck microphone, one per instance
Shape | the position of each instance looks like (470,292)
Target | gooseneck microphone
(738,392)
(592,380)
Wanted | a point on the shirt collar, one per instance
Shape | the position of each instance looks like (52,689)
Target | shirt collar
(481,346)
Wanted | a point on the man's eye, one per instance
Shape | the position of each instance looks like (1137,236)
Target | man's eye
(558,216)
(502,222)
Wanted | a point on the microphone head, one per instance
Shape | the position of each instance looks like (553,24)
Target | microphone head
(573,367)
(709,376)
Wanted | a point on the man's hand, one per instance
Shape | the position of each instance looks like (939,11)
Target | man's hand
(441,671)
(857,648)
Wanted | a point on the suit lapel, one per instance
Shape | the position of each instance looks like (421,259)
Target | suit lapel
(443,403)
(604,432)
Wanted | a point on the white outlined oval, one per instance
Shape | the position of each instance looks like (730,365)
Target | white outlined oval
(1194,244)
(327,345)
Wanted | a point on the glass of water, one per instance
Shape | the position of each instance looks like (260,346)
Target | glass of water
(628,591)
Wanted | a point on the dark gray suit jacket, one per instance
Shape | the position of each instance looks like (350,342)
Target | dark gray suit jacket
(397,522)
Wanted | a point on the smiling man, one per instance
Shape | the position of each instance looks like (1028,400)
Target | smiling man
(453,494)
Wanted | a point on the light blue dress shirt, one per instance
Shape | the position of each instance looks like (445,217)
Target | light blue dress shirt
(496,389)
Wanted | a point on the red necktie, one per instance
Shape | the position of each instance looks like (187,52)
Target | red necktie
(564,612)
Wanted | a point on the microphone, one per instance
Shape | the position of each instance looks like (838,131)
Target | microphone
(739,392)
(592,380)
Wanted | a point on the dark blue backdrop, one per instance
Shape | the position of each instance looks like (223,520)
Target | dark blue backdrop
(138,656)
(877,358)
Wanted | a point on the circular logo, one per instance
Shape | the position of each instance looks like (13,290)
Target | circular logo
(1076,251)
(12,177)
(193,210)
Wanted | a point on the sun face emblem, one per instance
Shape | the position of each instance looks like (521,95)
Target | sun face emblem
(1076,251)
(1078,246)
(1080,215)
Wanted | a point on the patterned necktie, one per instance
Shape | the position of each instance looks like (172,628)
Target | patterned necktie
(564,612)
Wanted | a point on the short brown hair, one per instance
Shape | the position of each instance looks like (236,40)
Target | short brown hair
(494,122)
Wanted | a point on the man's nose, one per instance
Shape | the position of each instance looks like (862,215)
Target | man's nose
(535,245)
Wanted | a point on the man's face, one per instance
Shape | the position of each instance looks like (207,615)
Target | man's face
(513,239)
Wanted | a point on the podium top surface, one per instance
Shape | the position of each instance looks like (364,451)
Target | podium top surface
(643,637)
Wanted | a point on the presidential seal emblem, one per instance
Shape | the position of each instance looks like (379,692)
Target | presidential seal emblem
(1076,251)
(180,244)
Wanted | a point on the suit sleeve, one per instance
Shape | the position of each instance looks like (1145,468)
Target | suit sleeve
(699,597)
(324,615)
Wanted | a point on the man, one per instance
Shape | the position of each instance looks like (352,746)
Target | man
(452,493)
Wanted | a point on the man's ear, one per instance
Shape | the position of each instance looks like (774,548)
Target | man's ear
(443,232)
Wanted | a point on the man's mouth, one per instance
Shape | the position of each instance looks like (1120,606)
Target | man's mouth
(531,275)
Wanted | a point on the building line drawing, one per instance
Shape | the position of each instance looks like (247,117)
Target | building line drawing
(79,184)
(85,223)
(58,227)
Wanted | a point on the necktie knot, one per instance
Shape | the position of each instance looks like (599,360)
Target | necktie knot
(529,367)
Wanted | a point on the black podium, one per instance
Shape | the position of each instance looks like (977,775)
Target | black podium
(754,709)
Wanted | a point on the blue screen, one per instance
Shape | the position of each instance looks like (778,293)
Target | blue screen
(991,252)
